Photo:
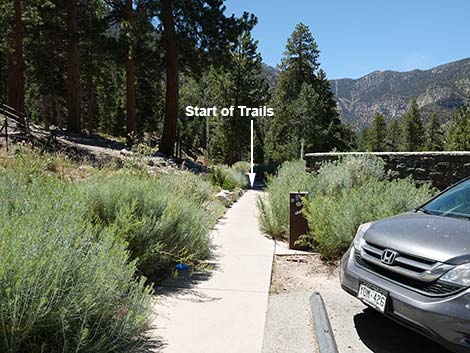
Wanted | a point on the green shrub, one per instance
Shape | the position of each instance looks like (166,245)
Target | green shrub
(274,206)
(29,163)
(228,178)
(333,220)
(347,173)
(160,219)
(342,195)
(65,286)
(242,166)
(187,184)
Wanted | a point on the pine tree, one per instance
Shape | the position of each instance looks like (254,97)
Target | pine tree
(413,137)
(362,139)
(300,62)
(15,80)
(245,86)
(304,104)
(377,134)
(73,71)
(195,33)
(131,109)
(458,138)
(239,82)
(434,134)
(394,131)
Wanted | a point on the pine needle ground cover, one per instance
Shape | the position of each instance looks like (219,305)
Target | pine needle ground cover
(80,247)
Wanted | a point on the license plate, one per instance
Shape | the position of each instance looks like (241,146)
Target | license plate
(375,297)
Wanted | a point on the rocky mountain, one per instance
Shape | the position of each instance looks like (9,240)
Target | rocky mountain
(442,89)
(270,74)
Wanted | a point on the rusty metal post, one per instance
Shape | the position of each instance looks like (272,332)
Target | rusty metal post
(297,223)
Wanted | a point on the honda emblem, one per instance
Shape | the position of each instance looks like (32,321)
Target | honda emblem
(389,256)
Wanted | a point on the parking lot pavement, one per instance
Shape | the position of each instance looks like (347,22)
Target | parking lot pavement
(359,329)
(289,324)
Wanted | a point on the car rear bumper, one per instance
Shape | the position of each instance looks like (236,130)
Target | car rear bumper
(445,320)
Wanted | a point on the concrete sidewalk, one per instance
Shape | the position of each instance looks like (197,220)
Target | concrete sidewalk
(223,311)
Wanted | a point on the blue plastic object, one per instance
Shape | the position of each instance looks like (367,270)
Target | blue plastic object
(182,267)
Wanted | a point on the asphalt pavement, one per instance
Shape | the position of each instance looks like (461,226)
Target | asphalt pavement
(359,329)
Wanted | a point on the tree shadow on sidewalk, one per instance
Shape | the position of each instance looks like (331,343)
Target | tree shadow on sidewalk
(184,286)
(153,345)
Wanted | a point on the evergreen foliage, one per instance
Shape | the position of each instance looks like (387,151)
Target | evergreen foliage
(304,104)
(434,134)
(393,135)
(377,135)
(459,132)
(413,133)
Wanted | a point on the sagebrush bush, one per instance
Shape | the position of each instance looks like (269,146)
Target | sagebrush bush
(187,184)
(274,206)
(72,254)
(65,286)
(333,220)
(347,173)
(29,163)
(342,195)
(228,178)
(242,166)
(163,220)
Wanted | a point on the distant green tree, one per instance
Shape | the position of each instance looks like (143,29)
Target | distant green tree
(377,139)
(340,136)
(237,83)
(362,139)
(194,35)
(394,131)
(240,83)
(413,136)
(434,134)
(305,109)
(458,138)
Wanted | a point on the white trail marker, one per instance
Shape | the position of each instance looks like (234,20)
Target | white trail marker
(251,175)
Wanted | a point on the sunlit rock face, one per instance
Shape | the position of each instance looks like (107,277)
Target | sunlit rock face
(442,89)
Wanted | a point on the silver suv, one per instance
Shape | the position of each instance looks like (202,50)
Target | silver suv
(415,268)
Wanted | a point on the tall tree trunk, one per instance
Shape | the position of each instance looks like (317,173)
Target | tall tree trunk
(172,85)
(55,112)
(130,77)
(16,63)
(73,78)
(89,97)
(58,117)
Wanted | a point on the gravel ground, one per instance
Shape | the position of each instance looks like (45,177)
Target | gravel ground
(357,329)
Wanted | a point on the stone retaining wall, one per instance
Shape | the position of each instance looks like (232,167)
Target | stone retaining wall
(442,169)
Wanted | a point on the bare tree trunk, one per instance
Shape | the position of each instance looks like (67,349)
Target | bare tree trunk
(90,102)
(130,77)
(58,112)
(172,85)
(16,63)
(55,111)
(73,78)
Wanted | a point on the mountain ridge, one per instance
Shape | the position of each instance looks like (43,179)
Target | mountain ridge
(441,89)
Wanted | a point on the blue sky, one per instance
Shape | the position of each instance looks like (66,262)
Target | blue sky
(356,37)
